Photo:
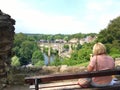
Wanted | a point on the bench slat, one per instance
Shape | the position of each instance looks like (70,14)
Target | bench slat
(56,77)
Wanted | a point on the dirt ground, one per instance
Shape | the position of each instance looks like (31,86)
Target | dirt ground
(17,87)
(64,84)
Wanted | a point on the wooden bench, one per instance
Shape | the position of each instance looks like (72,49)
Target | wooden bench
(38,80)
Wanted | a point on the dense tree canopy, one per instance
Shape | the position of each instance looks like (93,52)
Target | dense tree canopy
(37,56)
(110,36)
(23,48)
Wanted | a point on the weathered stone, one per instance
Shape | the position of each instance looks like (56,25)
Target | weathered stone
(63,68)
(6,42)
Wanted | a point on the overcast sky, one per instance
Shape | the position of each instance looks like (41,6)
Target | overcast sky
(61,16)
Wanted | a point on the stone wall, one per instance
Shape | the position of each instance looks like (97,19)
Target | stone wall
(6,41)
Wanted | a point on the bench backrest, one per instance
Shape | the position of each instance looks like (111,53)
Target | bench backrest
(55,77)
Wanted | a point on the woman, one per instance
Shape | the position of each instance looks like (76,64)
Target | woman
(100,61)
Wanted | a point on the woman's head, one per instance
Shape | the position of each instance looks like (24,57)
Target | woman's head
(99,48)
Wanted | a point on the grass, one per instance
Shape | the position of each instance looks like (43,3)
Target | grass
(83,64)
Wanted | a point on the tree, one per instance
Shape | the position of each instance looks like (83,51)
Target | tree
(57,61)
(110,36)
(84,52)
(66,47)
(15,61)
(26,51)
(39,63)
(79,46)
(23,47)
(111,33)
(37,56)
(66,38)
(18,39)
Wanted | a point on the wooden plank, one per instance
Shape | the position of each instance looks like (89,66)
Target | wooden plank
(114,87)
(57,85)
(75,87)
(93,88)
(56,77)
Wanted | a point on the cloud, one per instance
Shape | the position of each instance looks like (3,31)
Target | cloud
(35,21)
(101,12)
(30,20)
(101,5)
(52,23)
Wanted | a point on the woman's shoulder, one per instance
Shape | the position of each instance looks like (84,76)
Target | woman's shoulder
(103,56)
(108,56)
(94,58)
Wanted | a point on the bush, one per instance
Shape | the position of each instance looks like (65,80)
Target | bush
(15,61)
(39,63)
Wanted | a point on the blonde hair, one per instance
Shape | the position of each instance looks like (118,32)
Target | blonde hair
(99,48)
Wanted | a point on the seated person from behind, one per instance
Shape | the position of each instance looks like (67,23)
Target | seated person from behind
(101,61)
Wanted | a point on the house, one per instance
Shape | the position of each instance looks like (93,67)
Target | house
(73,41)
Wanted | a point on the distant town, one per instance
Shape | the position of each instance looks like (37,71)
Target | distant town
(58,44)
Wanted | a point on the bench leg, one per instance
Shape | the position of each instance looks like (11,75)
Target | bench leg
(36,84)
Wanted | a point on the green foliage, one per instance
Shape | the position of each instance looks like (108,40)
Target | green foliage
(24,47)
(57,61)
(79,56)
(39,63)
(37,56)
(85,51)
(50,38)
(26,50)
(59,36)
(31,38)
(111,37)
(70,62)
(19,38)
(81,35)
(15,61)
(111,33)
(55,52)
(114,50)
(116,55)
(45,50)
(79,46)
(66,38)
(66,47)
(84,64)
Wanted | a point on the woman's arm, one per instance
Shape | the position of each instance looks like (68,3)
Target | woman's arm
(89,68)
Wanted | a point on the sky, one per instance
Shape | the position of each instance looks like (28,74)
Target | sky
(61,16)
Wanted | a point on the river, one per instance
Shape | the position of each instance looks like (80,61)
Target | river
(48,60)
